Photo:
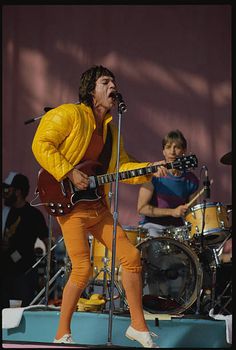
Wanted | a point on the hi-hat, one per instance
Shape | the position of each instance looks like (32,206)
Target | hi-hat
(227,158)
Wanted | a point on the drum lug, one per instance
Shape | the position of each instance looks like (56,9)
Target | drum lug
(222,224)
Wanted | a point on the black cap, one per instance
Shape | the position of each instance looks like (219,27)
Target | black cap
(18,181)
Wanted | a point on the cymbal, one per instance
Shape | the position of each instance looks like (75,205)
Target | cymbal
(226,159)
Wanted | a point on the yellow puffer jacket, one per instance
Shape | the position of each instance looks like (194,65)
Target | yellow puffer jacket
(63,136)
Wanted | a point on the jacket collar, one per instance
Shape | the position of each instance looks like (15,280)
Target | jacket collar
(88,109)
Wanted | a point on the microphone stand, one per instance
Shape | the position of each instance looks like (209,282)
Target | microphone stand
(206,184)
(121,109)
(198,302)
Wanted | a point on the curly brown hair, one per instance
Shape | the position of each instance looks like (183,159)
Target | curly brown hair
(88,82)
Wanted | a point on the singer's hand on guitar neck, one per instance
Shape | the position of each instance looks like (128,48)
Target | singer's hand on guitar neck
(79,179)
(161,170)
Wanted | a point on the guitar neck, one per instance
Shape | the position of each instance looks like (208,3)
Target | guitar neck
(123,175)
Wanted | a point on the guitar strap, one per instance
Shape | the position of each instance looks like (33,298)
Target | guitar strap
(105,156)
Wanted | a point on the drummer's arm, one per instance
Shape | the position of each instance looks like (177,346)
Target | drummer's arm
(144,208)
(144,197)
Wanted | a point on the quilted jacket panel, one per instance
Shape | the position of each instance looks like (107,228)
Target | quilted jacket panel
(63,136)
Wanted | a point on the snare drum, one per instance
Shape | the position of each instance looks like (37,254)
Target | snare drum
(135,234)
(216,226)
(180,233)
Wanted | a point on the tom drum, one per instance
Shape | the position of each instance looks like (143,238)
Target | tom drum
(135,234)
(216,227)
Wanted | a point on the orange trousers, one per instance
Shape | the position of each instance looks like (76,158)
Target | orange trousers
(94,218)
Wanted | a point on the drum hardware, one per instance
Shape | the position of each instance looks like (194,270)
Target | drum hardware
(222,301)
(217,265)
(106,272)
(211,265)
(218,250)
(49,281)
(190,203)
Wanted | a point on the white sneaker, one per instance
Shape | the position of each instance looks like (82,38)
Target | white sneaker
(66,339)
(143,338)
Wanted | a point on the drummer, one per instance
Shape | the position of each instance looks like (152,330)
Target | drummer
(162,201)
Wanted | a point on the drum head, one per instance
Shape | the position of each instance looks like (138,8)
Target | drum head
(171,275)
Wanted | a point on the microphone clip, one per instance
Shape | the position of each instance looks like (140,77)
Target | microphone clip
(121,105)
(206,184)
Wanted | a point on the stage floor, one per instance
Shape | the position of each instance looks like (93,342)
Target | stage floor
(37,329)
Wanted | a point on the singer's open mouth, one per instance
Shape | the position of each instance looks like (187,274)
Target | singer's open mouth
(112,94)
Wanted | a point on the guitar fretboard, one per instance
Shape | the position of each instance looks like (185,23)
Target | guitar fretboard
(180,163)
(123,175)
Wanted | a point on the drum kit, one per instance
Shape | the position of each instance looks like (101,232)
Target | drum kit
(179,275)
(182,269)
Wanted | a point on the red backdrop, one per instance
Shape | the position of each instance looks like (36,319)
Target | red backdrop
(173,68)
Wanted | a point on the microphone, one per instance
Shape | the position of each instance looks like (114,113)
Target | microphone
(32,120)
(46,109)
(118,97)
(206,184)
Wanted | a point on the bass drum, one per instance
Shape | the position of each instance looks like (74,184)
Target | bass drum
(172,275)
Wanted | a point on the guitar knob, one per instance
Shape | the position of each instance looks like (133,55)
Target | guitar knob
(59,205)
(68,205)
(51,204)
(61,211)
(53,210)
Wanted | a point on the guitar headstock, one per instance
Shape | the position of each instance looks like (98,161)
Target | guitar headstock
(185,162)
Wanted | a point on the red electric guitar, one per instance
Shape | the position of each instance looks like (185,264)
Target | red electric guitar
(59,198)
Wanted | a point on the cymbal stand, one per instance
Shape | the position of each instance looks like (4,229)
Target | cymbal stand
(199,291)
(202,246)
(107,272)
(214,267)
(42,257)
(48,266)
(48,281)
(46,289)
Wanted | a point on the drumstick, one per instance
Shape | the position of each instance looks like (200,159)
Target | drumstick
(197,195)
